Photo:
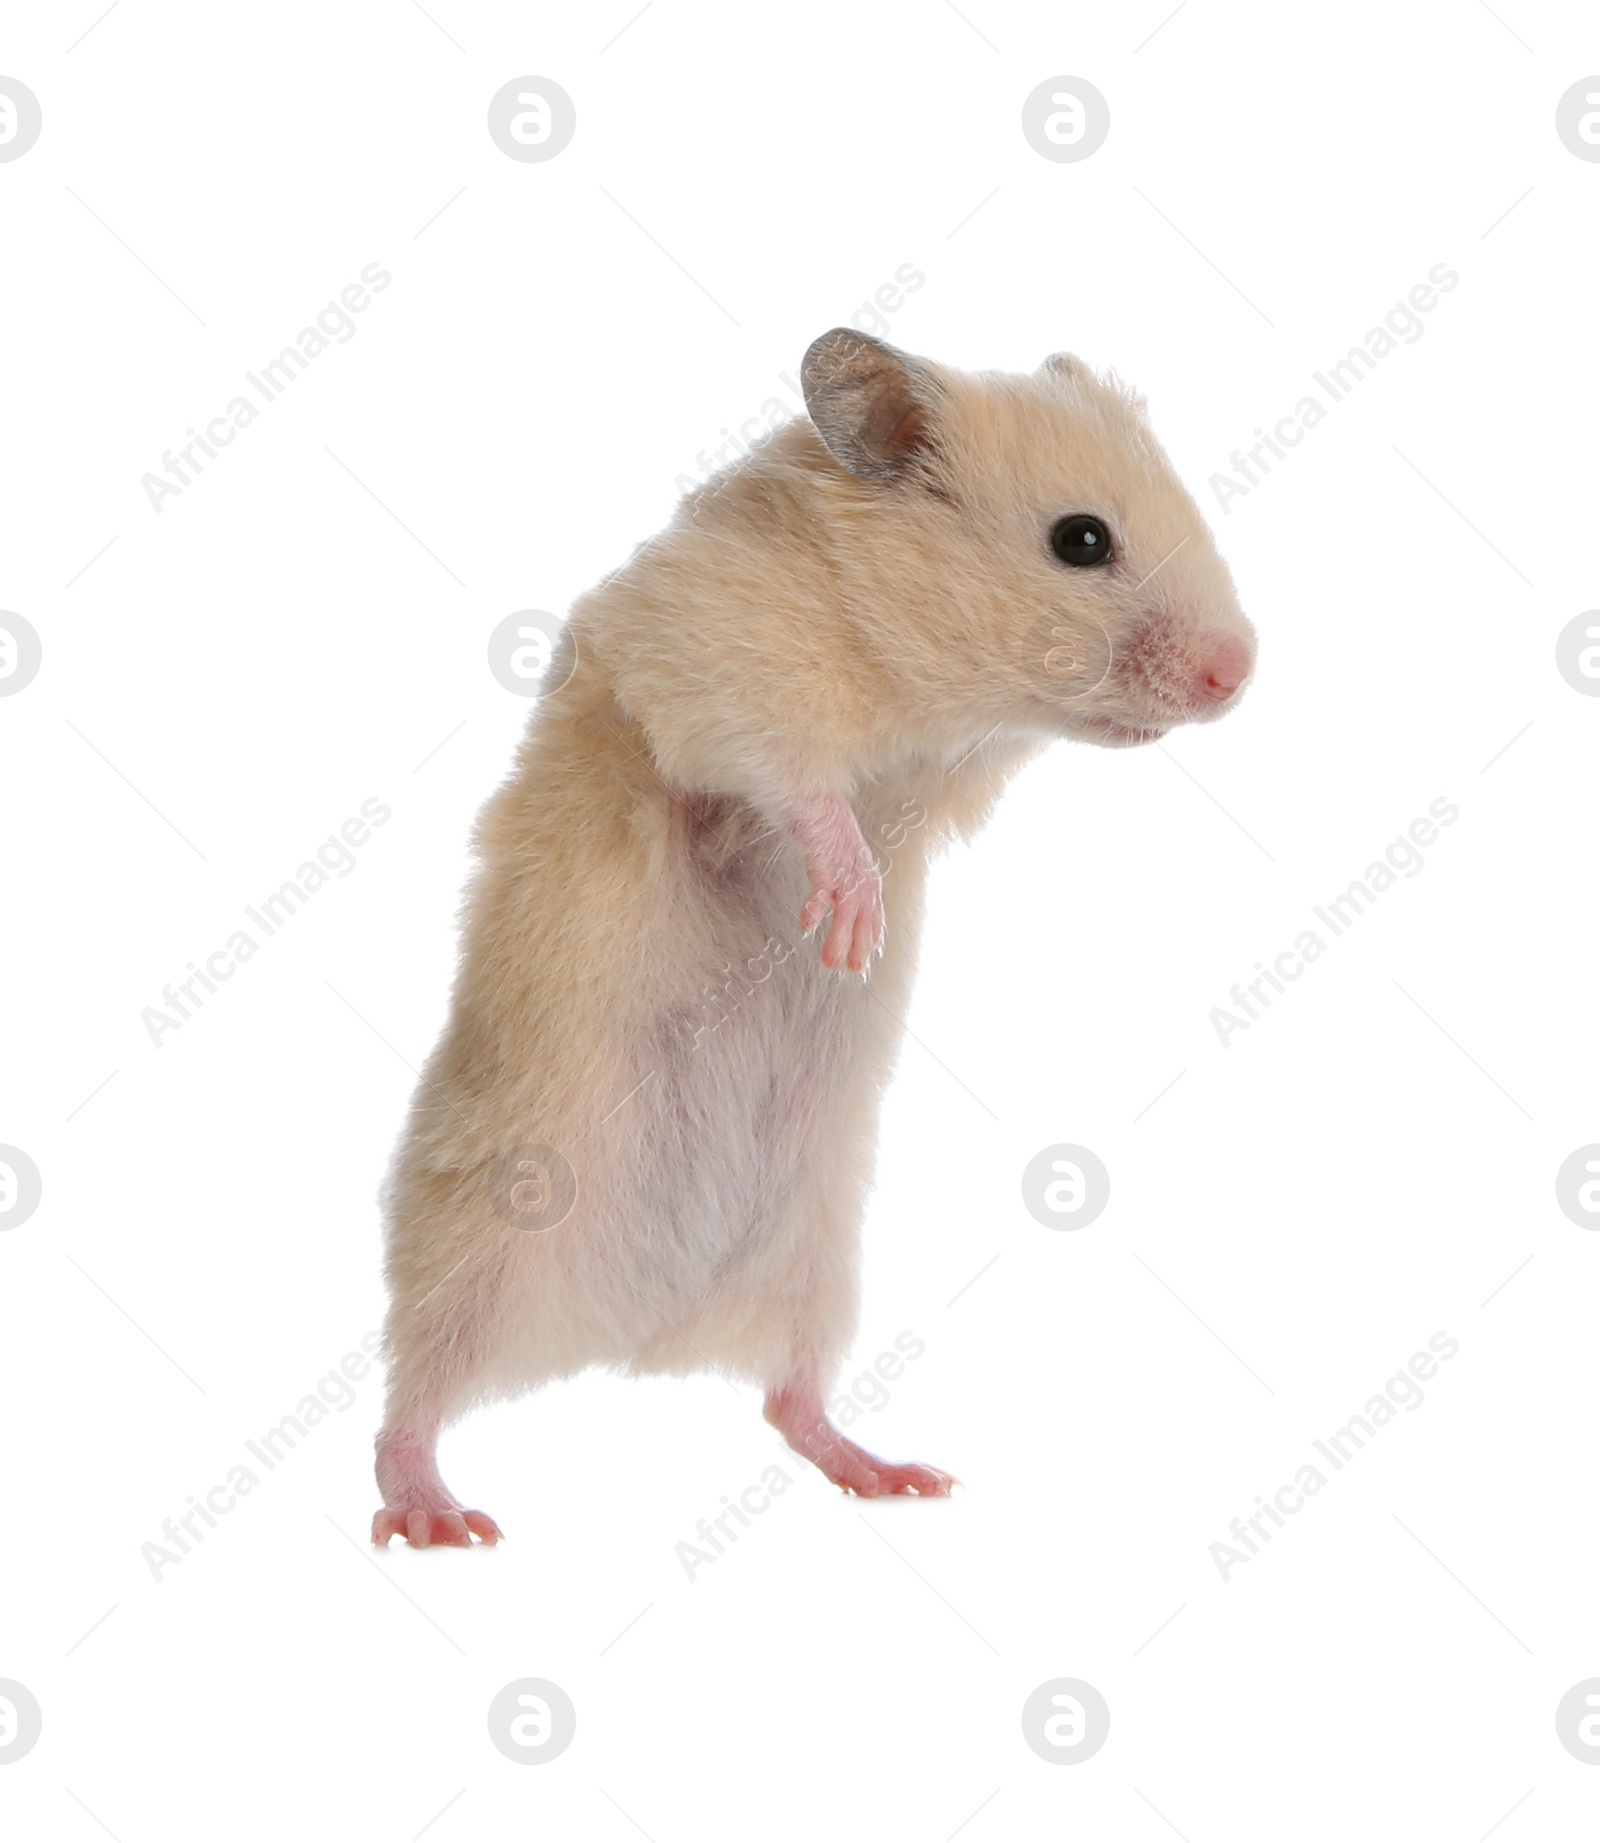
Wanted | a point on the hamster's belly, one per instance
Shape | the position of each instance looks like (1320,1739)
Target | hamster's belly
(761,1069)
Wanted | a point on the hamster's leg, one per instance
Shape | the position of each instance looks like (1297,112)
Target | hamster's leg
(844,879)
(796,1410)
(417,1504)
(442,1319)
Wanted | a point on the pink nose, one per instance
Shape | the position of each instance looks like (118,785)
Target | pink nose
(1225,670)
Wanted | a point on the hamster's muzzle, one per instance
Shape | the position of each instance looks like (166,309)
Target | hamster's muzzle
(1184,670)
(1223,669)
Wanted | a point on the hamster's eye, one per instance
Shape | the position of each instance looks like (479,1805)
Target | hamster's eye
(1081,541)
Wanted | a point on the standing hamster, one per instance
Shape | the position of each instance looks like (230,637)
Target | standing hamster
(646,1136)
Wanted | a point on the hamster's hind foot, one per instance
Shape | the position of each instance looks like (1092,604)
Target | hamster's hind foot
(424,1528)
(417,1504)
(798,1415)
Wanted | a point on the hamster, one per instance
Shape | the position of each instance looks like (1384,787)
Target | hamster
(646,1136)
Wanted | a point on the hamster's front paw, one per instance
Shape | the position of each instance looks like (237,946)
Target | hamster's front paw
(844,880)
(856,932)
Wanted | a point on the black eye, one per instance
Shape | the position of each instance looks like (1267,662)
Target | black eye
(1081,540)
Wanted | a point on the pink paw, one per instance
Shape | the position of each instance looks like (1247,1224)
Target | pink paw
(854,1469)
(448,1528)
(844,879)
(855,896)
(797,1415)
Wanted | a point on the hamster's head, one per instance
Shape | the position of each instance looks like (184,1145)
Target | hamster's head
(1052,567)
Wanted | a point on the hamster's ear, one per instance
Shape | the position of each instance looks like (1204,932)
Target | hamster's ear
(873,405)
(1065,365)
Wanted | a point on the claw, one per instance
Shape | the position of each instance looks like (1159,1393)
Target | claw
(798,1416)
(448,1527)
(845,880)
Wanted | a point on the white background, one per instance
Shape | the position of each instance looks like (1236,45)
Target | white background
(226,684)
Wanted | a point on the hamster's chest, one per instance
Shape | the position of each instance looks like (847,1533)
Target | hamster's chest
(746,985)
(750,1034)
(757,1065)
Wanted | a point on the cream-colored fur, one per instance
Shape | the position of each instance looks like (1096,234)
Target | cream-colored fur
(634,990)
